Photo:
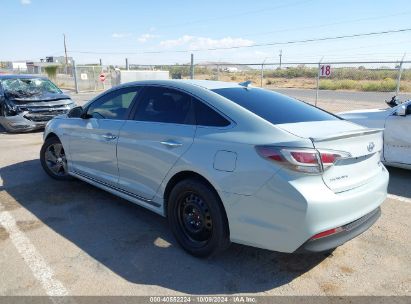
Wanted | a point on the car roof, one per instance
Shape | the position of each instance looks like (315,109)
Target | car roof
(211,84)
(20,76)
(183,83)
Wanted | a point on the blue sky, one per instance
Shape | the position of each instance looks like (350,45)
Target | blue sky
(32,29)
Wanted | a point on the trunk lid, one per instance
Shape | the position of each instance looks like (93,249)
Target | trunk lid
(363,145)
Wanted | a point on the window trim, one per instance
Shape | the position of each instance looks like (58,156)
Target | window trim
(231,124)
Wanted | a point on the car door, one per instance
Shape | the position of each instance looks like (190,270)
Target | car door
(93,139)
(161,130)
(397,137)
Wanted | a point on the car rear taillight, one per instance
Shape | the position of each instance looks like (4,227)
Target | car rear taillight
(303,160)
(329,158)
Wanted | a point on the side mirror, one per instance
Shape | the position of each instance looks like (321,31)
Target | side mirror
(76,112)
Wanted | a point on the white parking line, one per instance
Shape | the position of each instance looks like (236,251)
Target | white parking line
(32,257)
(399,198)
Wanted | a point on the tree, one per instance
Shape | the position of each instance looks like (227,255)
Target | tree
(51,71)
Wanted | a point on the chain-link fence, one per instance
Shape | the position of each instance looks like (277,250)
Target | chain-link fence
(334,86)
(340,86)
(91,78)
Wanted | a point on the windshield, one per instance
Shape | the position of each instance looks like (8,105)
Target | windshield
(274,107)
(28,87)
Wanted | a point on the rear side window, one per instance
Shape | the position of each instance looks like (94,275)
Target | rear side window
(274,107)
(206,116)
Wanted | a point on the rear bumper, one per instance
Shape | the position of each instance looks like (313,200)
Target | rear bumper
(349,232)
(288,211)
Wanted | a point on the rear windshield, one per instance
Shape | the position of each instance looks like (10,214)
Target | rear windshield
(274,107)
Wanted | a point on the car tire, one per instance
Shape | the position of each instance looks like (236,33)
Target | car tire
(197,218)
(53,159)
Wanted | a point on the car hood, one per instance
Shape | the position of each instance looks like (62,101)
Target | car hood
(366,114)
(43,97)
(363,111)
(55,101)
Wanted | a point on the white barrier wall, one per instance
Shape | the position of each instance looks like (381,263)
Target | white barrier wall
(128,76)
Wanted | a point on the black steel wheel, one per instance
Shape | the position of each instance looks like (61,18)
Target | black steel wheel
(197,218)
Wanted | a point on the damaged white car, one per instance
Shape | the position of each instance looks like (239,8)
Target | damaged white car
(28,102)
(396,122)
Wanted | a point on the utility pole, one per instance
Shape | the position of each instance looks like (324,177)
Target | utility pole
(281,55)
(65,51)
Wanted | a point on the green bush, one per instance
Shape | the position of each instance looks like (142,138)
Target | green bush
(386,85)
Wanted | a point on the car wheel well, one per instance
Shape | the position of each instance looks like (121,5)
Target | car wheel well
(187,175)
(50,135)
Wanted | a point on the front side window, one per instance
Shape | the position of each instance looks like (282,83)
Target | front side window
(113,105)
(164,105)
(274,107)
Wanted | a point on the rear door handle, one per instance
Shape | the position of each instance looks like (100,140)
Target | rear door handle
(171,144)
(109,136)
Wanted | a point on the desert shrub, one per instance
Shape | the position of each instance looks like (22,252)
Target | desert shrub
(385,85)
(292,72)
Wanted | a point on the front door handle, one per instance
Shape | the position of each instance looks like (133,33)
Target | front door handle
(109,136)
(171,144)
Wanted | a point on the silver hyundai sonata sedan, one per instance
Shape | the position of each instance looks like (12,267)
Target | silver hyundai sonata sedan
(225,163)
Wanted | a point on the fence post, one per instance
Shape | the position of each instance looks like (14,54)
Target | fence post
(318,83)
(397,90)
(218,72)
(75,77)
(95,79)
(262,75)
(192,67)
(127,67)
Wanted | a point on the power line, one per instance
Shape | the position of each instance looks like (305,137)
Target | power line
(312,40)
(324,25)
(253,45)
